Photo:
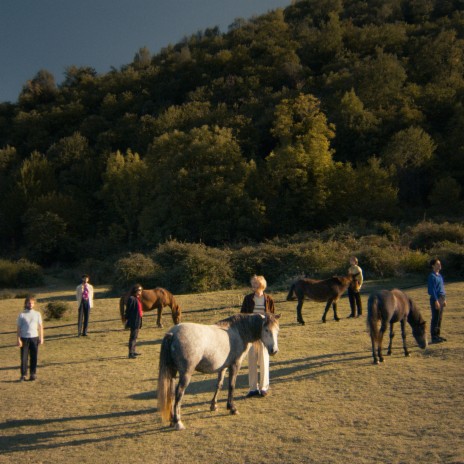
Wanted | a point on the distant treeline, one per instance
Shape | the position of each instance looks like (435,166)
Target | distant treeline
(324,112)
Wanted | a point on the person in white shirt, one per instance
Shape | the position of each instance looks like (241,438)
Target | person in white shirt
(84,297)
(30,335)
(354,296)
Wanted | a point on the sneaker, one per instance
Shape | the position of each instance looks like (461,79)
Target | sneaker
(132,356)
(22,378)
(252,393)
(32,377)
(137,354)
(351,315)
(437,340)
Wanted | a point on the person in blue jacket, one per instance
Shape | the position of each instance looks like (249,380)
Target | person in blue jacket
(436,290)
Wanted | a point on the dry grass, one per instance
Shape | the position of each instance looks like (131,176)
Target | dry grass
(329,403)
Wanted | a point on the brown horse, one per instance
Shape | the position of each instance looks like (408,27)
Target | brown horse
(156,298)
(388,307)
(329,290)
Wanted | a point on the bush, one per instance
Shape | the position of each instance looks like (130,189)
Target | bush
(425,235)
(56,310)
(134,268)
(451,256)
(21,273)
(191,267)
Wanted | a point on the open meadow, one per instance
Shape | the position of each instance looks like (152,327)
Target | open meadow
(328,402)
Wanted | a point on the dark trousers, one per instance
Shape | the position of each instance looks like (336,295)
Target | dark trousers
(30,349)
(435,323)
(355,302)
(134,333)
(86,309)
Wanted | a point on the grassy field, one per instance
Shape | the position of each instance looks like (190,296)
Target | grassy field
(329,403)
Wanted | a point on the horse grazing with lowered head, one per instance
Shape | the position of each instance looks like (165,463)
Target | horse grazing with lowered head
(387,307)
(329,290)
(190,347)
(156,298)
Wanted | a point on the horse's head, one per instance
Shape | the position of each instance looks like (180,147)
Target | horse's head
(269,333)
(418,325)
(354,284)
(176,313)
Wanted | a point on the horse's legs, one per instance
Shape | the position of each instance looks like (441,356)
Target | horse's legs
(184,380)
(233,371)
(403,335)
(220,381)
(158,319)
(374,353)
(334,306)
(383,329)
(392,334)
(326,310)
(299,307)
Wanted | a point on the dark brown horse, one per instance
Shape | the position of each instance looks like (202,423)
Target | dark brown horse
(329,290)
(387,307)
(156,298)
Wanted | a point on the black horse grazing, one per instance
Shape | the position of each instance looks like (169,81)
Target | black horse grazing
(388,307)
(329,290)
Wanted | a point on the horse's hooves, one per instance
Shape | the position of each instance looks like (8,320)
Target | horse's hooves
(160,326)
(376,361)
(301,322)
(381,360)
(213,408)
(389,354)
(337,318)
(179,426)
(234,412)
(323,320)
(407,355)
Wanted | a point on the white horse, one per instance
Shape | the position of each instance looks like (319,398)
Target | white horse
(190,347)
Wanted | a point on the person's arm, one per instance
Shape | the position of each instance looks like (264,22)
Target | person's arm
(432,289)
(19,342)
(41,332)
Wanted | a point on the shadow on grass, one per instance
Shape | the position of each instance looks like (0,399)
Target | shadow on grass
(21,442)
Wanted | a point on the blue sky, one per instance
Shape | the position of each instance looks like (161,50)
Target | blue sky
(55,34)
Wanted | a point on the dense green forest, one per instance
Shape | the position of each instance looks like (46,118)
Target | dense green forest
(324,112)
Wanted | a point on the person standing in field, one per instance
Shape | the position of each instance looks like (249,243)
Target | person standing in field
(30,335)
(354,295)
(133,317)
(436,290)
(84,297)
(258,356)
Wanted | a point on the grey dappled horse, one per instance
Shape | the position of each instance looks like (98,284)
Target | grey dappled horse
(190,347)
(388,307)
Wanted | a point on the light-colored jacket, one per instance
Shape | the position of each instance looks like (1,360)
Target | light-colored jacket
(79,290)
(356,272)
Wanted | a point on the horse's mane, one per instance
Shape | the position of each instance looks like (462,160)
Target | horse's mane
(244,323)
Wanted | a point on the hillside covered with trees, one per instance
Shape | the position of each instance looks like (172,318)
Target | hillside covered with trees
(306,117)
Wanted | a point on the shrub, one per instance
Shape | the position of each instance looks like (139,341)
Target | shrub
(191,267)
(56,310)
(414,262)
(451,256)
(136,267)
(425,235)
(21,273)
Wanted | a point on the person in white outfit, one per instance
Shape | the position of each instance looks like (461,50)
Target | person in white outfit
(258,356)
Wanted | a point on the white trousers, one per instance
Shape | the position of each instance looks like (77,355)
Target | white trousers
(258,356)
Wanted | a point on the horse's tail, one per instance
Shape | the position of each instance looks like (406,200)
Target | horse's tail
(167,373)
(122,308)
(373,316)
(291,293)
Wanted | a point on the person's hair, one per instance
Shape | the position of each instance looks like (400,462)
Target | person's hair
(85,276)
(135,288)
(28,299)
(354,259)
(433,261)
(261,280)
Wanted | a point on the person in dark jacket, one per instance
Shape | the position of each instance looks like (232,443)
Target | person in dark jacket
(133,317)
(260,303)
